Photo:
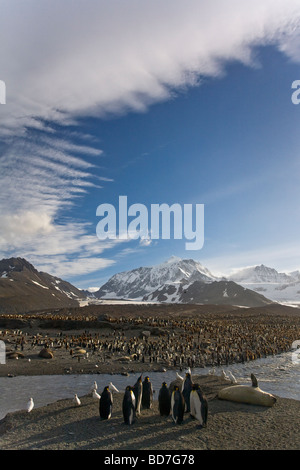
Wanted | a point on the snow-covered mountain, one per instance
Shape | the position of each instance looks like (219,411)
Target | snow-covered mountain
(260,274)
(280,287)
(216,292)
(178,281)
(23,288)
(139,282)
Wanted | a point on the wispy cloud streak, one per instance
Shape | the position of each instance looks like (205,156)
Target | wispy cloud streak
(65,60)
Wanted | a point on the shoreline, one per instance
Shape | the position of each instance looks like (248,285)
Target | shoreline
(231,426)
(121,347)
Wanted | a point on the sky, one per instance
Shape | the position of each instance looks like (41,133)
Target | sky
(165,102)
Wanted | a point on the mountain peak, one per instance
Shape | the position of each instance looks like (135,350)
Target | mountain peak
(140,282)
(259,274)
(16,264)
(23,288)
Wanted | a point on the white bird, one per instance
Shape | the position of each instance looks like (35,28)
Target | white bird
(212,372)
(94,387)
(112,388)
(76,400)
(179,376)
(232,378)
(96,395)
(224,376)
(30,405)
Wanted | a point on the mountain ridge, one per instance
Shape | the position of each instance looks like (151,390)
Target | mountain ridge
(280,287)
(178,281)
(143,280)
(23,288)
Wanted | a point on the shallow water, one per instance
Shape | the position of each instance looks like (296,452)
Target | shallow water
(279,375)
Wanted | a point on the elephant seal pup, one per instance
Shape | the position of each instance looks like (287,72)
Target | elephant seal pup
(247,394)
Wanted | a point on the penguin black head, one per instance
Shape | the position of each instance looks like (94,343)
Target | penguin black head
(164,384)
(176,388)
(147,379)
(128,388)
(106,388)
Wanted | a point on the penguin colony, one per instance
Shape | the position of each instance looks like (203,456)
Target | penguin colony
(174,342)
(188,398)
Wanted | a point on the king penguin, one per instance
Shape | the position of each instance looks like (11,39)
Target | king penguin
(128,406)
(164,400)
(199,405)
(186,390)
(177,405)
(138,392)
(105,403)
(147,395)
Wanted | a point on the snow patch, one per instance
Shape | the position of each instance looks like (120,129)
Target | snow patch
(225,293)
(40,285)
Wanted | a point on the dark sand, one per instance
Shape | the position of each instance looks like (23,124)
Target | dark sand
(63,362)
(231,426)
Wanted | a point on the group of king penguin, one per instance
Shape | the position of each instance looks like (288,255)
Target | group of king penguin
(188,398)
(140,395)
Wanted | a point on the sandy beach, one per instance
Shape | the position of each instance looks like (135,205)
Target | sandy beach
(231,426)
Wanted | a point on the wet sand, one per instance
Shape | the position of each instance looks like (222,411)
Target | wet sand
(231,426)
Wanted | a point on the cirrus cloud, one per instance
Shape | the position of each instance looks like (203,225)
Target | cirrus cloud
(64,60)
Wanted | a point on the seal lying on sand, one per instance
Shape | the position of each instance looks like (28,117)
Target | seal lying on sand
(46,353)
(245,394)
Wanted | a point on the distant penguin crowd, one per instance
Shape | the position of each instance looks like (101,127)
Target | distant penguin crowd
(206,341)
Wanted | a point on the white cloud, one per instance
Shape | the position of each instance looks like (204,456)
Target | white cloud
(66,59)
(14,227)
(40,178)
(62,59)
(65,250)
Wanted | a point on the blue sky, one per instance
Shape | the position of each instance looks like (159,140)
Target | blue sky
(162,105)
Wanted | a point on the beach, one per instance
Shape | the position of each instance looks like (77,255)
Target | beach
(140,342)
(231,426)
